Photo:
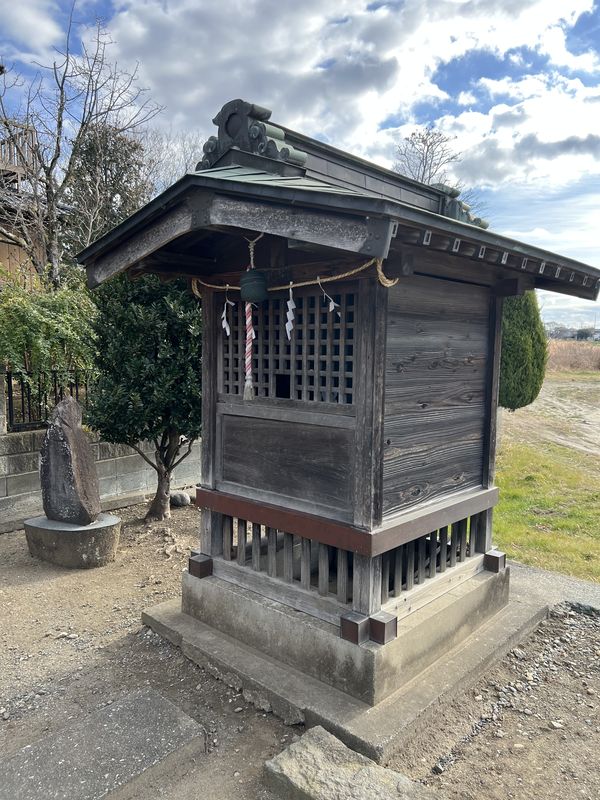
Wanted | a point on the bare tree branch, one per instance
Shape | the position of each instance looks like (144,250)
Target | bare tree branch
(425,155)
(81,88)
(144,456)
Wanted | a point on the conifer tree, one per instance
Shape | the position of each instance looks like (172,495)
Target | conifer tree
(524,352)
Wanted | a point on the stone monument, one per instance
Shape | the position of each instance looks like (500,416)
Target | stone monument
(74,532)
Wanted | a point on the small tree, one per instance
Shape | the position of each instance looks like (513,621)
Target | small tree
(149,385)
(107,184)
(524,352)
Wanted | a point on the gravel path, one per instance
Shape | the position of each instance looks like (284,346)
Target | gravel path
(529,729)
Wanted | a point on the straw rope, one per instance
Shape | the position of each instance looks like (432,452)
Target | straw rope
(383,279)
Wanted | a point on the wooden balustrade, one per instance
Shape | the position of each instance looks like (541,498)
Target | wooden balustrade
(17,149)
(331,575)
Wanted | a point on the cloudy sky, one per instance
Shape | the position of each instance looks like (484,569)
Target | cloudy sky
(517,82)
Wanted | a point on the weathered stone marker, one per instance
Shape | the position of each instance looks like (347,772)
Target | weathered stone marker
(70,489)
(74,533)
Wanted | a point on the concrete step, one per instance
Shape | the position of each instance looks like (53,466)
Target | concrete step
(376,731)
(108,753)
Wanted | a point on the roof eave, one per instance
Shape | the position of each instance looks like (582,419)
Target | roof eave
(354,205)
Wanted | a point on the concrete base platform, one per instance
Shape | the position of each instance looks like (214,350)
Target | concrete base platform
(108,754)
(376,731)
(74,546)
(369,672)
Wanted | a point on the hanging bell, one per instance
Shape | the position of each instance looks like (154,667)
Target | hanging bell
(253,286)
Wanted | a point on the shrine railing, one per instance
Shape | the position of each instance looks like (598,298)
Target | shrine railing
(327,580)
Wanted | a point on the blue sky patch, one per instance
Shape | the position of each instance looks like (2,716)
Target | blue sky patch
(585,34)
(463,74)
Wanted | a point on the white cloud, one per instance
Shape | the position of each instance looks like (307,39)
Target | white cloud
(466,99)
(29,26)
(553,42)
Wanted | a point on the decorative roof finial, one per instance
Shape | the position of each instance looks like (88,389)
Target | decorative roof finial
(243,126)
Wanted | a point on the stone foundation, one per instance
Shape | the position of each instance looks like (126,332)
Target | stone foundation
(74,546)
(369,672)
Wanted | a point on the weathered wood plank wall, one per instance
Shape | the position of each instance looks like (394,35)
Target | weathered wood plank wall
(435,390)
(312,463)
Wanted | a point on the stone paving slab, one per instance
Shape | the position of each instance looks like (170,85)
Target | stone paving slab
(320,767)
(102,753)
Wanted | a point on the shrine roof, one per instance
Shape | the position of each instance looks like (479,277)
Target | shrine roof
(254,176)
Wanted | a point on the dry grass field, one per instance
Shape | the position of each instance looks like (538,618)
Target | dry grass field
(573,356)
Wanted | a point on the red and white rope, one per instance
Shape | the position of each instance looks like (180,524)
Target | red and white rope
(250,334)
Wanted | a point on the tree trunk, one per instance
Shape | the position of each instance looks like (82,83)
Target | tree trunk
(160,507)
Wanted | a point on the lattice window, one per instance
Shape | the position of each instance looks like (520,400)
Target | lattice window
(317,365)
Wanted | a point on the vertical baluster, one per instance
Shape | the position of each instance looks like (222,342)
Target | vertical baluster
(342,575)
(453,544)
(398,553)
(385,577)
(256,547)
(421,559)
(410,565)
(241,542)
(433,543)
(462,539)
(305,563)
(323,569)
(272,552)
(473,533)
(227,537)
(443,548)
(288,557)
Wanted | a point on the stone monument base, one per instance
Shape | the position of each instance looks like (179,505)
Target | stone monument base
(74,546)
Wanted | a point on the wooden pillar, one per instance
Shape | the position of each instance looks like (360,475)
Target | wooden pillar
(369,382)
(483,540)
(483,532)
(211,533)
(366,585)
(211,523)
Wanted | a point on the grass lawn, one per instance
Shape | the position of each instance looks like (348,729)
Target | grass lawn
(549,510)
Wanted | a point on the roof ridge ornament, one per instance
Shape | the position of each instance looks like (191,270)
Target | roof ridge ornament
(244,126)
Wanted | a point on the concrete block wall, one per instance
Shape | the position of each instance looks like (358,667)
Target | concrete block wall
(123,474)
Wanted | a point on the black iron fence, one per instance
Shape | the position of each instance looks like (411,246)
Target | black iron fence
(30,397)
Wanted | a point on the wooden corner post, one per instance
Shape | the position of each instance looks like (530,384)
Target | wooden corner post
(211,525)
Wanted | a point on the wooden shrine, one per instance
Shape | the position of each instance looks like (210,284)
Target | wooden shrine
(349,410)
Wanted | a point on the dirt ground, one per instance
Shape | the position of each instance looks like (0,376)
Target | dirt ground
(566,412)
(529,729)
(71,642)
